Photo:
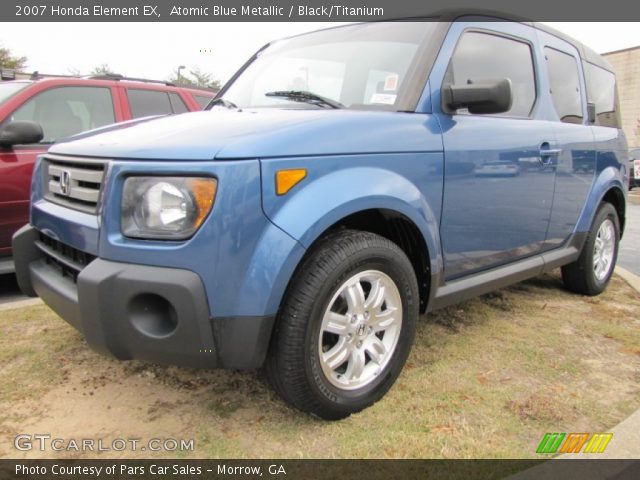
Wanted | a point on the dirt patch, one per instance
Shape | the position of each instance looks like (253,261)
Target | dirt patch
(486,378)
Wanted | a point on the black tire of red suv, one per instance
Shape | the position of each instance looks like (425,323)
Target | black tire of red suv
(580,276)
(294,365)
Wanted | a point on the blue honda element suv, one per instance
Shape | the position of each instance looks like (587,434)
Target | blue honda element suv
(342,183)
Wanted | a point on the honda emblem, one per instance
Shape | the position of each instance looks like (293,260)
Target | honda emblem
(65,183)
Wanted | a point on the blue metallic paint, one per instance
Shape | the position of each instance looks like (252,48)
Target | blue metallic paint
(335,187)
(261,133)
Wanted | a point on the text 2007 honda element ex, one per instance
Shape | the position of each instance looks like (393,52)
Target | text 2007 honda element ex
(342,182)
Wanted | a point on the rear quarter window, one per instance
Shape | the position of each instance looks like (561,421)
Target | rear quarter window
(564,79)
(601,91)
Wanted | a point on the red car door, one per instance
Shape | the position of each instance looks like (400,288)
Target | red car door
(16,165)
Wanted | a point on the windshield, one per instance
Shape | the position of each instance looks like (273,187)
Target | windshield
(8,89)
(358,66)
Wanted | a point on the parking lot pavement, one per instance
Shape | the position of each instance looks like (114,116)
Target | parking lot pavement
(9,291)
(629,256)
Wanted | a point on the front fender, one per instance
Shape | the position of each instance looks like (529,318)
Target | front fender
(336,187)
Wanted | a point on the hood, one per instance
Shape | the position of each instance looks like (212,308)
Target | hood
(236,134)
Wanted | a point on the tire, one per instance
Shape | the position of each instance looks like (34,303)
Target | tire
(581,276)
(295,364)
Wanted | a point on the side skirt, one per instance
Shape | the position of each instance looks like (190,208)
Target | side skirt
(484,282)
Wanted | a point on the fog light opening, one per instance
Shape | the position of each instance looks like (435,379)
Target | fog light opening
(152,315)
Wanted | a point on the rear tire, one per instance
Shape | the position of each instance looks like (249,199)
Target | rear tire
(590,274)
(346,325)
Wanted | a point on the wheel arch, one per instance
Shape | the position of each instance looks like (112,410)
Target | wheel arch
(615,197)
(396,227)
(608,187)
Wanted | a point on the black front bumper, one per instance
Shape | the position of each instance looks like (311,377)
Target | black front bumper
(141,312)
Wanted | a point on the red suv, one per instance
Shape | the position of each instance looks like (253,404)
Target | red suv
(63,107)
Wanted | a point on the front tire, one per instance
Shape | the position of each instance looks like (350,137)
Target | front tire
(346,325)
(591,273)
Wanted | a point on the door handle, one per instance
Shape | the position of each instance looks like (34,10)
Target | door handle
(548,152)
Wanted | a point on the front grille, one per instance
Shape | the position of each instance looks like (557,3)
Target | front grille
(69,260)
(74,183)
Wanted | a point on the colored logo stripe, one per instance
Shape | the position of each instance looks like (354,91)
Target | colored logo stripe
(598,442)
(574,442)
(550,442)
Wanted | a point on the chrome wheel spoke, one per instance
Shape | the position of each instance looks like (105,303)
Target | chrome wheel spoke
(376,349)
(336,323)
(337,355)
(354,295)
(383,320)
(356,365)
(376,295)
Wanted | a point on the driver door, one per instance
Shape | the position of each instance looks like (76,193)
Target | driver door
(499,168)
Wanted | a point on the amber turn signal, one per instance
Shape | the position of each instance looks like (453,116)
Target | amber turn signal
(287,179)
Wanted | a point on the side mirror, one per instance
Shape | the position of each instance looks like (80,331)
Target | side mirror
(20,132)
(482,96)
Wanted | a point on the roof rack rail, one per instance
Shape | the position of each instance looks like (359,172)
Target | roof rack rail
(118,77)
(197,87)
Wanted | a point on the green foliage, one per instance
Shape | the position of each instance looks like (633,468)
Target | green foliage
(196,78)
(103,69)
(7,60)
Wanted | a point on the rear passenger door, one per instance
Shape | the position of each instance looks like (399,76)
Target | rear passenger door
(498,182)
(576,159)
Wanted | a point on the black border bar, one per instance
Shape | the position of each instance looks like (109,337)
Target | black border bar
(305,10)
(321,469)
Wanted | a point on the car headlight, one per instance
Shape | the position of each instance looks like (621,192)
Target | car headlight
(168,208)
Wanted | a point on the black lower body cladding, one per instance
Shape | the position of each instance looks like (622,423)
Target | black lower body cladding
(142,312)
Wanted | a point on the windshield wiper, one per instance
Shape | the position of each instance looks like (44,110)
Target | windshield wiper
(221,101)
(305,97)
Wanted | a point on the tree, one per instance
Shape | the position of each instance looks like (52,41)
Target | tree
(7,60)
(203,79)
(103,69)
(197,78)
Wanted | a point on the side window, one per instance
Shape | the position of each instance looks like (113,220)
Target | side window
(202,100)
(601,90)
(481,56)
(177,104)
(148,102)
(565,85)
(65,111)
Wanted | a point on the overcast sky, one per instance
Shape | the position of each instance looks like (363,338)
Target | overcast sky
(154,50)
